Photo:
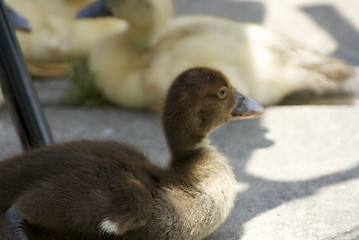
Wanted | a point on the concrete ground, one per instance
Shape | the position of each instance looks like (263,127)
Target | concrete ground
(297,165)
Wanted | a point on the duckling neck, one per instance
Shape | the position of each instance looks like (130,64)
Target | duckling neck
(183,146)
(141,37)
(143,29)
(184,136)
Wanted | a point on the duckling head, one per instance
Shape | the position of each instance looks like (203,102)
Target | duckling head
(139,13)
(142,12)
(198,101)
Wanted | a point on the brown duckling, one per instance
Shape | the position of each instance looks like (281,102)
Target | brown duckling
(110,190)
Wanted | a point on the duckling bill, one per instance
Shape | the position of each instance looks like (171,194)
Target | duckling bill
(110,190)
(95,9)
(19,22)
(246,107)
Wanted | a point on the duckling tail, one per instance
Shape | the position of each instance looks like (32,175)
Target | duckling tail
(338,76)
(334,69)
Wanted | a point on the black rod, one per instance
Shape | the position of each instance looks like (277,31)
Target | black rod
(24,108)
(18,90)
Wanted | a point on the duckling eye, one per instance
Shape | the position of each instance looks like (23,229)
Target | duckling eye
(222,93)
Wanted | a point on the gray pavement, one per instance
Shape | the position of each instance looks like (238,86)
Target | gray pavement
(297,165)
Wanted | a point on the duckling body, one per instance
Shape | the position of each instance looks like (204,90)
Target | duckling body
(187,205)
(111,190)
(56,36)
(266,65)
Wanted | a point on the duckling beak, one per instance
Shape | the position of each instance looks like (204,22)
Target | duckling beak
(18,21)
(245,108)
(96,9)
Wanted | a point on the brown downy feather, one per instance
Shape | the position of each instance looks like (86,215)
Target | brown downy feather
(92,190)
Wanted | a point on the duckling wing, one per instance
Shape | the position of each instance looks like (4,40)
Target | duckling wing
(87,187)
(68,205)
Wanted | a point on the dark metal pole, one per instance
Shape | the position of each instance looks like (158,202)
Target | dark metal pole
(24,108)
(18,90)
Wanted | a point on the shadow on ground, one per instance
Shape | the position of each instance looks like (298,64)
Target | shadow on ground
(262,194)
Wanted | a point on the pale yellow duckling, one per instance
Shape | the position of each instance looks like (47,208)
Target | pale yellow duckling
(56,36)
(135,69)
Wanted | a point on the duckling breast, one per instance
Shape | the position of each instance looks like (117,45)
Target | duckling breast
(195,209)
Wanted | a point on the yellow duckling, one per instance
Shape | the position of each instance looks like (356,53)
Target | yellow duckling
(56,36)
(134,69)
